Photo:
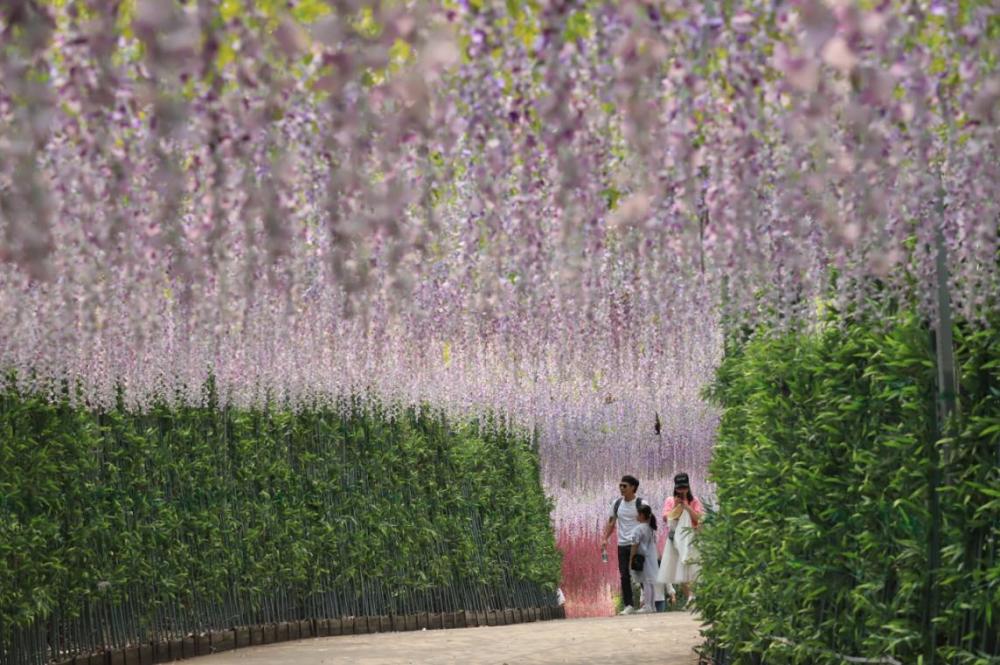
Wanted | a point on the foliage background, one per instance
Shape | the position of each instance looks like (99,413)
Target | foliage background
(829,541)
(116,527)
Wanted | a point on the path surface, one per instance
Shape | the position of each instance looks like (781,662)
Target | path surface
(652,639)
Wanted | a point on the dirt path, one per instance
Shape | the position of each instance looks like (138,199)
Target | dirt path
(653,639)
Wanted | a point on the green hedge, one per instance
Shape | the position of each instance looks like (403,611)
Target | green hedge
(117,527)
(823,541)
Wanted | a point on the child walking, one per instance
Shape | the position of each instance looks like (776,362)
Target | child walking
(644,543)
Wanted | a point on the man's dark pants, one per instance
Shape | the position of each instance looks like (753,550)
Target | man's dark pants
(624,554)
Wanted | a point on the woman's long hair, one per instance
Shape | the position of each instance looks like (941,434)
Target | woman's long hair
(644,509)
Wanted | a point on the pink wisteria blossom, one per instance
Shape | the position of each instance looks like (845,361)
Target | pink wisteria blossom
(545,213)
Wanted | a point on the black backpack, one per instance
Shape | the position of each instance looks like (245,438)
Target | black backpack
(638,502)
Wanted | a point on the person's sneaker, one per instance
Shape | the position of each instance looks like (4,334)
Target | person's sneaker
(645,610)
(628,610)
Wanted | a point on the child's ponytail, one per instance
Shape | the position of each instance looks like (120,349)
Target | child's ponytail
(644,509)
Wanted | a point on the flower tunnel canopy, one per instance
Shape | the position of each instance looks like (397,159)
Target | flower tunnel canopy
(546,209)
(258,257)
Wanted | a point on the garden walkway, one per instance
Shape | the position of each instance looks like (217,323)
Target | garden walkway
(661,639)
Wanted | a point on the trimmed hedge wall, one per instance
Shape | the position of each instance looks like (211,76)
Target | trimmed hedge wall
(120,528)
(827,530)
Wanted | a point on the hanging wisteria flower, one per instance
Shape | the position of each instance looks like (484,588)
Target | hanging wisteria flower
(533,208)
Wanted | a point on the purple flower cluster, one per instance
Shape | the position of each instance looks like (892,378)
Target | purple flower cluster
(538,211)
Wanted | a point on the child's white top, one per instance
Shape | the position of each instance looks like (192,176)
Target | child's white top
(645,538)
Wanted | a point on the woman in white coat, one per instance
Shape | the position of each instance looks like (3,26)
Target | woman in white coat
(644,544)
(682,513)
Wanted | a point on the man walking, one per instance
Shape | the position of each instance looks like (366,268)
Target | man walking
(624,512)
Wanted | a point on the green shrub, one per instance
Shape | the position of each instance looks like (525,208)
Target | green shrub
(823,543)
(192,518)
